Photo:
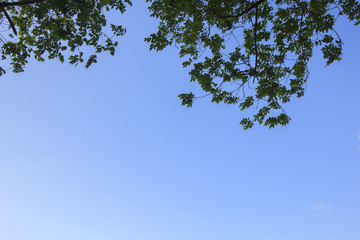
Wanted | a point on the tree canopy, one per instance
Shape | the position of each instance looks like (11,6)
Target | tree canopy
(52,28)
(249,53)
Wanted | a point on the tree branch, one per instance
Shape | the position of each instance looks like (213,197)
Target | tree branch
(9,19)
(3,5)
(255,40)
(26,2)
(255,5)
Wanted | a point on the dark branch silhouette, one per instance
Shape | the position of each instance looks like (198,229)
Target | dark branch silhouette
(255,40)
(9,19)
(255,5)
(9,4)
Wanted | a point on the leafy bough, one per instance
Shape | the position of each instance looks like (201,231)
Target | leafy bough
(250,53)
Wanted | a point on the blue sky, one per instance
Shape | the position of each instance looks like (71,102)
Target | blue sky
(110,153)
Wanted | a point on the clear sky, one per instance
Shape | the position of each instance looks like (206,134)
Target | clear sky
(109,153)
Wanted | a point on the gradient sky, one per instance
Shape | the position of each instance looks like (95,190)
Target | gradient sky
(109,152)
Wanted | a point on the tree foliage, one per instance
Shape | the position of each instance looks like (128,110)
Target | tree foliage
(52,28)
(252,53)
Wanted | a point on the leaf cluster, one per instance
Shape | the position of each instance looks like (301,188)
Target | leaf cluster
(250,52)
(59,29)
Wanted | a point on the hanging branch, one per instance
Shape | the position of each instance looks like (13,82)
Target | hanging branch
(255,40)
(256,6)
(9,19)
(3,5)
(9,4)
